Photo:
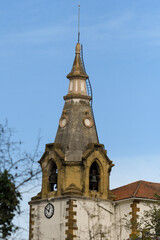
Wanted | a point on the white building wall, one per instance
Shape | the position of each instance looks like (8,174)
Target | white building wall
(122,208)
(49,229)
(94,219)
(144,206)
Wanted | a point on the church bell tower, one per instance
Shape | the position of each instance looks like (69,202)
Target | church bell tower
(75,172)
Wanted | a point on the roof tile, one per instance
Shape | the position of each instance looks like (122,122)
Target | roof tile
(139,189)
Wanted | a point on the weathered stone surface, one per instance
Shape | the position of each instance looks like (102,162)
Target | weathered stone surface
(75,136)
(77,68)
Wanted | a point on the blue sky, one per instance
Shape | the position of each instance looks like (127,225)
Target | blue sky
(121,42)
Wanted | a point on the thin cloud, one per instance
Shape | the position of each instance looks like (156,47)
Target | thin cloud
(38,36)
(107,26)
(125,26)
(46,34)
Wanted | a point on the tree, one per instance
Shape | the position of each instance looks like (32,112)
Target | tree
(17,168)
(20,164)
(9,204)
(148,223)
(95,229)
(150,220)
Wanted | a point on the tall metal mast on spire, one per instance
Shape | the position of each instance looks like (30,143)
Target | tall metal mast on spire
(88,83)
(79,22)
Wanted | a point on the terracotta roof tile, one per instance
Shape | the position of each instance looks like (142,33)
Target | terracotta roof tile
(139,189)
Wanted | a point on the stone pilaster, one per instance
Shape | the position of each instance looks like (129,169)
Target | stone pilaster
(71,221)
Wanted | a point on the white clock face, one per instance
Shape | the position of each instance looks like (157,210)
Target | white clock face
(49,210)
(63,122)
(88,122)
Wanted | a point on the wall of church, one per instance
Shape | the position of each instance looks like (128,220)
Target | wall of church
(84,218)
(121,209)
(145,205)
(94,219)
(133,209)
(44,228)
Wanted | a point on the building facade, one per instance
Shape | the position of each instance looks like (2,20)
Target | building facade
(75,201)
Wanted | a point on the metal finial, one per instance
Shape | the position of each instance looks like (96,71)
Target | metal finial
(78,23)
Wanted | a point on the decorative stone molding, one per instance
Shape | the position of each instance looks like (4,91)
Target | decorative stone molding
(71,221)
(97,153)
(134,217)
(31,222)
(72,190)
(88,122)
(77,95)
(64,119)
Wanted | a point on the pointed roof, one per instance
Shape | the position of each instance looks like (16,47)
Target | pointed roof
(139,189)
(79,129)
(75,136)
(77,68)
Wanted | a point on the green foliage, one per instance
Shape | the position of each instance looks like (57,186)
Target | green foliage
(9,204)
(151,219)
(135,236)
(17,168)
(147,224)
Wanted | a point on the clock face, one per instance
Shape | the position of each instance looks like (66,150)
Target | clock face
(88,122)
(49,210)
(63,122)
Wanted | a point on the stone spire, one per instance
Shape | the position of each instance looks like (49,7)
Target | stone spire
(76,126)
(77,69)
(77,77)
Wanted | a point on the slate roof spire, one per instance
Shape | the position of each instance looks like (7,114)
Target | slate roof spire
(77,68)
(77,77)
(76,126)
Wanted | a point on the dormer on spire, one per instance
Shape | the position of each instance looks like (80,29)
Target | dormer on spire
(77,77)
(77,68)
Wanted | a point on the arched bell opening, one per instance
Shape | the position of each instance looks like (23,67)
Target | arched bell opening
(53,178)
(94,177)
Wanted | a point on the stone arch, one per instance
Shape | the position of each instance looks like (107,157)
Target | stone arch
(53,176)
(103,186)
(98,162)
(95,175)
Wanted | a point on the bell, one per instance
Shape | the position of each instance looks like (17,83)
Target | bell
(53,179)
(93,179)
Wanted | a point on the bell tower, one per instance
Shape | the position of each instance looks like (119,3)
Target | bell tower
(75,172)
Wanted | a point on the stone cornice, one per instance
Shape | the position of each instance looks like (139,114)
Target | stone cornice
(77,95)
